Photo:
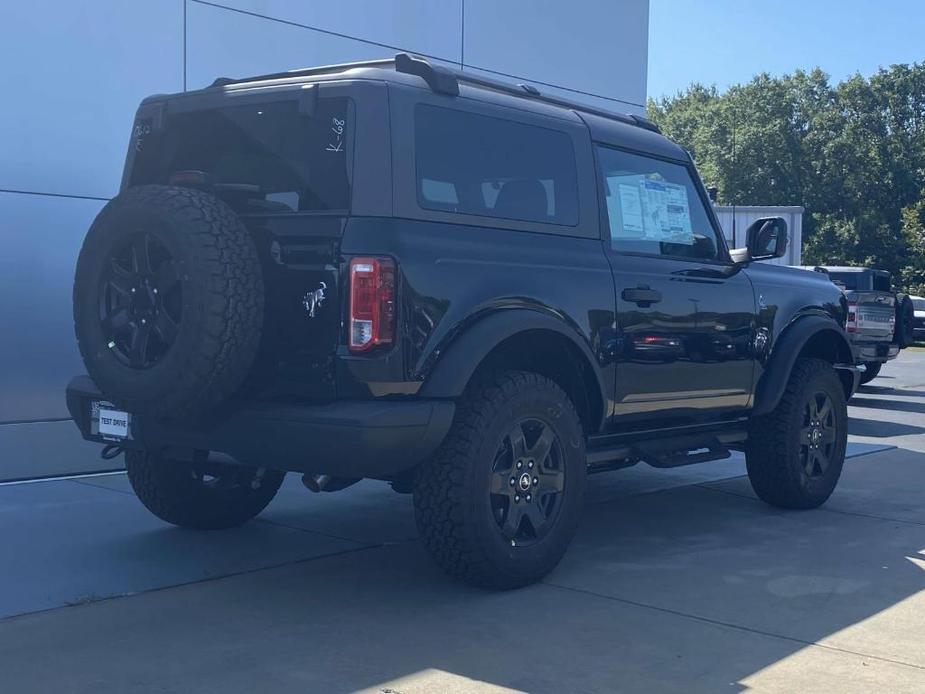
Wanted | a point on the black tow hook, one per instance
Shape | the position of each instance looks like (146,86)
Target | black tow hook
(110,451)
(327,483)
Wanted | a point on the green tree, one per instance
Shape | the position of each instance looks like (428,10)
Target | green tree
(852,154)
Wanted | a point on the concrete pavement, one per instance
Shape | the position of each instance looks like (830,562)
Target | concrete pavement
(676,582)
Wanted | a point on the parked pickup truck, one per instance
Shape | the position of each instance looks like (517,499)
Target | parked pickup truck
(880,322)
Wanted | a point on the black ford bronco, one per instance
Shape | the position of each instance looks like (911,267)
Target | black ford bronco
(472,290)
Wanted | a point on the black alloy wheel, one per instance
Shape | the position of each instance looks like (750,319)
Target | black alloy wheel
(795,453)
(527,481)
(499,501)
(140,302)
(818,436)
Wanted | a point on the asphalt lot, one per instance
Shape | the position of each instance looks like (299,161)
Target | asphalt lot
(677,581)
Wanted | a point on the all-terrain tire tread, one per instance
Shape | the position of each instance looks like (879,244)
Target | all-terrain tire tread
(169,492)
(770,441)
(230,333)
(445,529)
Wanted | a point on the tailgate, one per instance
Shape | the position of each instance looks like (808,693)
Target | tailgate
(871,314)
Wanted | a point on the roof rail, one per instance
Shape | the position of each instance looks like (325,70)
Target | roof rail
(304,72)
(438,78)
(444,80)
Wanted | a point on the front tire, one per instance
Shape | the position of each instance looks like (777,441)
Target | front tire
(500,501)
(795,454)
(872,370)
(202,495)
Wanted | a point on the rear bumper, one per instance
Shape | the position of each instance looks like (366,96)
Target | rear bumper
(878,351)
(379,439)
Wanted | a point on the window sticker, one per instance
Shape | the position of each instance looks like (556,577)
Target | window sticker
(652,210)
(631,207)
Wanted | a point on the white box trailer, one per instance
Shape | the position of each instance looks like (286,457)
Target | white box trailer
(744,215)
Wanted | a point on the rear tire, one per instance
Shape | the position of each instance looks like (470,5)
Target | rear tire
(203,496)
(872,370)
(500,501)
(795,454)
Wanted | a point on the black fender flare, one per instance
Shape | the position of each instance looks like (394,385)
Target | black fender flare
(787,348)
(456,364)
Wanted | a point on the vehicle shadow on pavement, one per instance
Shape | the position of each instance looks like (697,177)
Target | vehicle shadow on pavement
(889,390)
(697,588)
(880,429)
(883,404)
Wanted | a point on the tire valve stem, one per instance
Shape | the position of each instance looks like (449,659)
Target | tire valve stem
(112,343)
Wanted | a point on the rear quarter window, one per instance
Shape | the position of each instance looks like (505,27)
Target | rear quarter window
(472,164)
(258,157)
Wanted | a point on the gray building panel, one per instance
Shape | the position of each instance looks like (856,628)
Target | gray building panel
(596,47)
(41,237)
(428,27)
(74,74)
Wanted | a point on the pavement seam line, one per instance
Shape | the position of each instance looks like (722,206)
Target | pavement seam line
(708,487)
(208,579)
(258,519)
(86,483)
(729,625)
(323,534)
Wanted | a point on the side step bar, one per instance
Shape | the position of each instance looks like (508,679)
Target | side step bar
(681,451)
(663,452)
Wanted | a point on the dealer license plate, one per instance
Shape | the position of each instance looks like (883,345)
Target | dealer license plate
(109,423)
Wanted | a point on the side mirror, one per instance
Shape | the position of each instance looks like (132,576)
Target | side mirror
(765,238)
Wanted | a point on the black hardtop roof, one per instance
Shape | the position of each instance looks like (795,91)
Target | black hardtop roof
(632,131)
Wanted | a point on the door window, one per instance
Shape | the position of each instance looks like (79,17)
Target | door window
(654,208)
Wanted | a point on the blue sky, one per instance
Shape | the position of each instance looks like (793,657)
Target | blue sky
(725,42)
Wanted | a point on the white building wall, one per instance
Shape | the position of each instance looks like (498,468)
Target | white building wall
(74,72)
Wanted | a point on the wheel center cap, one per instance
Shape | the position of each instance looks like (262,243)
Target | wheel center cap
(524,481)
(816,436)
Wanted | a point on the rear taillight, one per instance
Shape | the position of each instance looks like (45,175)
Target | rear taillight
(851,325)
(372,303)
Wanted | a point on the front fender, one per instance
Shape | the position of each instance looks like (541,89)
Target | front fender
(789,346)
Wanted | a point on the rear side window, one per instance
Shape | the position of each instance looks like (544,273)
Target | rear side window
(493,167)
(259,156)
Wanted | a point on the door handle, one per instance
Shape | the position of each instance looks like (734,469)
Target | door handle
(642,296)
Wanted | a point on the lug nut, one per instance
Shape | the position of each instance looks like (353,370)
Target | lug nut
(536,481)
(133,290)
(519,465)
(154,290)
(512,481)
(517,497)
(530,464)
(142,321)
(529,498)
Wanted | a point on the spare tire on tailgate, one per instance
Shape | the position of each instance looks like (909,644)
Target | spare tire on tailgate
(168,301)
(903,334)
